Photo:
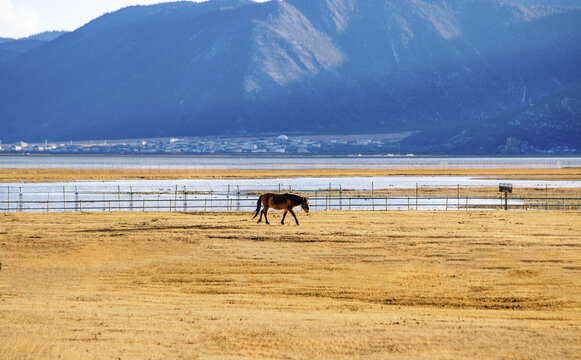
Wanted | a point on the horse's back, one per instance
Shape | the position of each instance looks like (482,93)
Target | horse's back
(277,201)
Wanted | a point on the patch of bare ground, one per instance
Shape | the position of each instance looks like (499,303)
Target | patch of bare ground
(427,285)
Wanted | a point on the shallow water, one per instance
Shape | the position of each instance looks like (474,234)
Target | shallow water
(239,194)
(199,162)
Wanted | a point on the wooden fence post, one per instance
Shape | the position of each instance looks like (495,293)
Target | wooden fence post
(176,200)
(21,201)
(416,196)
(372,196)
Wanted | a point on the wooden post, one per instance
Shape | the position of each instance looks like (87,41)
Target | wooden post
(118,198)
(64,200)
(546,197)
(8,210)
(76,199)
(228,199)
(386,205)
(505,188)
(176,200)
(458,197)
(48,203)
(372,196)
(416,196)
(506,201)
(446,203)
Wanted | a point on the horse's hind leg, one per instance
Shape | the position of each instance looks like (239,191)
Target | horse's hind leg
(283,216)
(260,218)
(266,213)
(293,214)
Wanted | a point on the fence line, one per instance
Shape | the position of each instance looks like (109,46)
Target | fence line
(186,204)
(49,198)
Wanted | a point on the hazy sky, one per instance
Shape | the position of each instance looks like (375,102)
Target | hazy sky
(21,18)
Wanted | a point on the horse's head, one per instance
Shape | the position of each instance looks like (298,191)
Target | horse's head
(305,205)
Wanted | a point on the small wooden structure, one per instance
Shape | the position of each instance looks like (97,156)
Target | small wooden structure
(505,188)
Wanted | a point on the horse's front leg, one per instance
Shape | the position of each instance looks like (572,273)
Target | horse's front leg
(283,216)
(293,214)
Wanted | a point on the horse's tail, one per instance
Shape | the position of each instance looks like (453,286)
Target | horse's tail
(259,203)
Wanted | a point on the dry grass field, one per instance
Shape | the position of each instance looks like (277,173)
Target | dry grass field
(48,175)
(343,285)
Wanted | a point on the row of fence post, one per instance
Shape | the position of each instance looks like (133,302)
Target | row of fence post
(230,199)
(229,204)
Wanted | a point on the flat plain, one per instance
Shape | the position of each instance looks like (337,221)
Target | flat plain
(51,175)
(351,284)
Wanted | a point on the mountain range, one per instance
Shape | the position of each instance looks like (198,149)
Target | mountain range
(11,48)
(464,77)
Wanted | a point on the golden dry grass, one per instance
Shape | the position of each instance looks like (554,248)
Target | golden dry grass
(47,175)
(425,285)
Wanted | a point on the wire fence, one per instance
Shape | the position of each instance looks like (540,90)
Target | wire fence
(108,199)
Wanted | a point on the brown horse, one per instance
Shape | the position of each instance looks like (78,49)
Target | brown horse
(284,202)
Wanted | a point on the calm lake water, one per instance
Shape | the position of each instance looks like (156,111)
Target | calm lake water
(199,162)
(240,194)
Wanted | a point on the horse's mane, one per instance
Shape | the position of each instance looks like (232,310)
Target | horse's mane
(295,198)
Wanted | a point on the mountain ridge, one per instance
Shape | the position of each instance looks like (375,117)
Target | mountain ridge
(333,66)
